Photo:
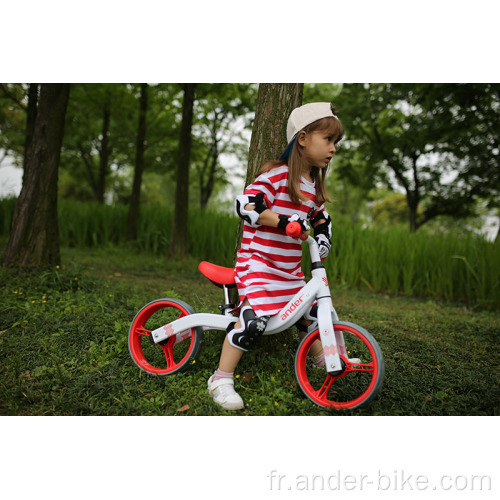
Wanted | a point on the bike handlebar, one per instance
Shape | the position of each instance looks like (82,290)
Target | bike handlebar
(294,230)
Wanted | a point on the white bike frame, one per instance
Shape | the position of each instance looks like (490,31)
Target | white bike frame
(316,289)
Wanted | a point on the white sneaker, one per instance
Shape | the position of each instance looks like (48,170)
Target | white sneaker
(223,393)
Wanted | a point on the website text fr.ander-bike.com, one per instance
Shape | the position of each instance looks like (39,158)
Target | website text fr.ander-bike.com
(396,480)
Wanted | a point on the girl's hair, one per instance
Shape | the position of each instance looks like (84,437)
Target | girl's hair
(295,162)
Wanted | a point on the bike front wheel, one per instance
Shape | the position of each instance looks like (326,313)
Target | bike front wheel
(361,376)
(171,355)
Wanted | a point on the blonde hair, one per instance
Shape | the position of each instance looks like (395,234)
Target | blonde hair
(296,161)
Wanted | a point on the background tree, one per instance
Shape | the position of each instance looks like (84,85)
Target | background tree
(178,236)
(34,238)
(99,147)
(472,112)
(223,112)
(99,140)
(415,141)
(352,178)
(88,142)
(133,214)
(15,128)
(436,143)
(391,210)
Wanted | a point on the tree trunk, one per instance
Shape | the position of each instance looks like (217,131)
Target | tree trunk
(104,151)
(413,198)
(275,102)
(89,166)
(178,237)
(133,214)
(30,117)
(34,239)
(207,177)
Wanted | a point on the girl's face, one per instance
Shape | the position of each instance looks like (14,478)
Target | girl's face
(319,148)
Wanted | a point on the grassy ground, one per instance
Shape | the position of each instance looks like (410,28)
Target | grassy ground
(63,346)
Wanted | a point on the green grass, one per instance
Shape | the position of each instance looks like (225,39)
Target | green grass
(63,346)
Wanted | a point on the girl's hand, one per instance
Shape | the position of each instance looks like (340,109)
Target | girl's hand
(294,226)
(324,245)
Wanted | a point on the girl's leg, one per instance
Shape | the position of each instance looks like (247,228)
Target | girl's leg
(220,384)
(316,348)
(230,355)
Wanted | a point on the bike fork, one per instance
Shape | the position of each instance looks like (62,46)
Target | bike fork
(339,335)
(332,342)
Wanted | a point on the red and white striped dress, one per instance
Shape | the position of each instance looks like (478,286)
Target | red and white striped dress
(268,269)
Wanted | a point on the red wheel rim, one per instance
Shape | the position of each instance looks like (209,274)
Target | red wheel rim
(139,332)
(320,396)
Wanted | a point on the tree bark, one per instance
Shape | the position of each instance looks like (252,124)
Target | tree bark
(104,150)
(178,237)
(89,166)
(207,185)
(207,176)
(34,239)
(275,102)
(412,200)
(133,214)
(30,117)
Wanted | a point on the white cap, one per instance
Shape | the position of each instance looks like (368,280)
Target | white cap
(303,116)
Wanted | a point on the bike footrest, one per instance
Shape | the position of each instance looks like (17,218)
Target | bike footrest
(225,307)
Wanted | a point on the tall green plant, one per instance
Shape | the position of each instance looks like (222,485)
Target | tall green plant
(448,266)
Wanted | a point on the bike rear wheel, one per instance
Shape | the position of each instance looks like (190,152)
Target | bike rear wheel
(359,381)
(173,354)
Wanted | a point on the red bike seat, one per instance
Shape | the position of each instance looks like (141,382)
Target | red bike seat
(218,275)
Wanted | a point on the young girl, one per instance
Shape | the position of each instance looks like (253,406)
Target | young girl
(268,268)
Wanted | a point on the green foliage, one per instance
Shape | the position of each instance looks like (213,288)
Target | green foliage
(63,346)
(101,127)
(85,152)
(321,92)
(7,206)
(391,210)
(211,235)
(449,265)
(13,105)
(223,115)
(438,142)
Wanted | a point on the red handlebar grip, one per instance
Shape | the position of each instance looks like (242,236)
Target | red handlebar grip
(293,229)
